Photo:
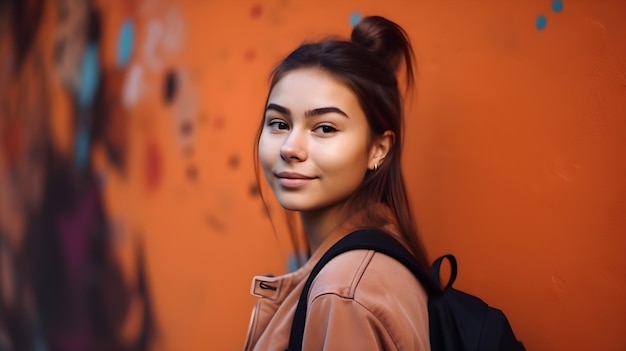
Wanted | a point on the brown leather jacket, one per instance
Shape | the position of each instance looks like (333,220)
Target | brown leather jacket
(361,300)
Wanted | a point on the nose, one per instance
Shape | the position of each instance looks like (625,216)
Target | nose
(293,147)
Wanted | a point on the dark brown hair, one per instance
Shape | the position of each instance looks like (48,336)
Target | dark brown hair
(368,64)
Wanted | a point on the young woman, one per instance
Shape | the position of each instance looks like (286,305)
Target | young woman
(330,147)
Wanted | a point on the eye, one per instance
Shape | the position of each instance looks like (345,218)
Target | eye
(325,129)
(277,124)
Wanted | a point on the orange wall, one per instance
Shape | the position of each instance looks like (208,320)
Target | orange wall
(515,156)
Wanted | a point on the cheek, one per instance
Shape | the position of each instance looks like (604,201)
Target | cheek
(347,160)
(268,150)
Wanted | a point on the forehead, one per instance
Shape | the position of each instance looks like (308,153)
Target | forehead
(312,87)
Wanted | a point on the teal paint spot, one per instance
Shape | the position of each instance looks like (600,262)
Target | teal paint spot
(81,149)
(293,264)
(355,17)
(541,22)
(557,6)
(125,43)
(89,76)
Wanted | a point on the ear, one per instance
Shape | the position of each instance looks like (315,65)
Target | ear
(380,148)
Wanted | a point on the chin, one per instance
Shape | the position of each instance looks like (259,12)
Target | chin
(293,206)
(302,204)
(298,204)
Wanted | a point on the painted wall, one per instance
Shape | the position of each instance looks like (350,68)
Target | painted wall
(515,156)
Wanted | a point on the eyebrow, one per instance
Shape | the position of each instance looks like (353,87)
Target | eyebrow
(309,113)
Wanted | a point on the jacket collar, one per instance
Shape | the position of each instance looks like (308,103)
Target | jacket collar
(277,288)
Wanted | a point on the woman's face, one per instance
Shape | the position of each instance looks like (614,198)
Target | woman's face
(314,146)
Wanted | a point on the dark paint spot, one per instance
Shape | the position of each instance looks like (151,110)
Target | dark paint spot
(186,128)
(192,172)
(219,122)
(233,162)
(27,18)
(94,27)
(256,10)
(253,190)
(215,223)
(170,87)
(250,55)
(153,166)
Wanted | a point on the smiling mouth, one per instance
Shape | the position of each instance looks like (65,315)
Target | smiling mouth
(292,180)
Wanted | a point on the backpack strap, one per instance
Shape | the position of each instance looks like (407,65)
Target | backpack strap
(361,240)
(436,267)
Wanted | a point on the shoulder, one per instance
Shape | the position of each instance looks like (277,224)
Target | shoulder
(341,276)
(382,286)
(361,274)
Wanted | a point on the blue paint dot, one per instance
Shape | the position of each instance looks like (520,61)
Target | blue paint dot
(125,43)
(89,76)
(355,17)
(293,264)
(541,22)
(557,6)
(81,148)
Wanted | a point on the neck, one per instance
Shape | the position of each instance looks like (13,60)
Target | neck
(319,224)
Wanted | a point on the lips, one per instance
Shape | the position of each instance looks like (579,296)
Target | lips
(292,179)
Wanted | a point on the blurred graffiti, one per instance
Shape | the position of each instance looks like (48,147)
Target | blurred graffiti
(61,286)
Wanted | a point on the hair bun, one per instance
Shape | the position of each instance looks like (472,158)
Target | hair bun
(385,39)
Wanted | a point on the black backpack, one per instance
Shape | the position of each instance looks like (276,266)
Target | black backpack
(457,320)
